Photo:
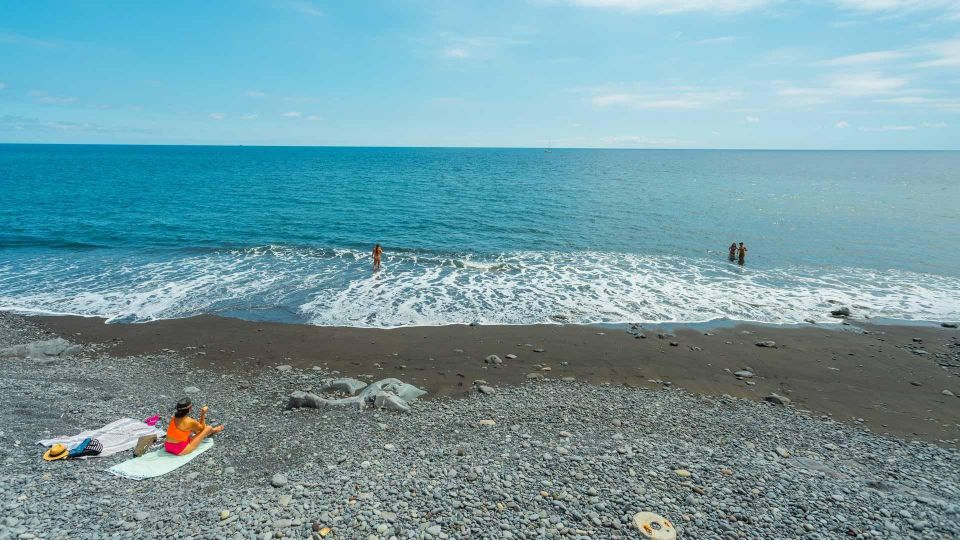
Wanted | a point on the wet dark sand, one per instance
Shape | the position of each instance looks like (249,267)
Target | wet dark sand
(845,374)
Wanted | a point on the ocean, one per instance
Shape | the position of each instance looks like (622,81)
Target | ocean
(491,236)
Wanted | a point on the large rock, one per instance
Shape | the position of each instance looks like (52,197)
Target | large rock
(345,385)
(300,400)
(777,399)
(743,374)
(840,312)
(768,344)
(404,391)
(394,403)
(390,394)
(493,359)
(278,480)
(59,348)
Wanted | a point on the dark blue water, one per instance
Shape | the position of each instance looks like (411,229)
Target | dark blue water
(490,235)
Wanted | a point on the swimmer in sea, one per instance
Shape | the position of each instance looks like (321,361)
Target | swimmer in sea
(733,251)
(742,251)
(377,252)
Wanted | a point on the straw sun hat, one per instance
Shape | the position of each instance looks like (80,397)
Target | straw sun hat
(57,451)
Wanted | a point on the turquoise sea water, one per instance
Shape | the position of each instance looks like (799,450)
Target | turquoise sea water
(135,233)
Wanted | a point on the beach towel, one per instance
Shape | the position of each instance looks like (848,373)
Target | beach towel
(156,463)
(115,436)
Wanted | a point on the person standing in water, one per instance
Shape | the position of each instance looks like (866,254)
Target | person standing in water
(377,252)
(733,251)
(742,251)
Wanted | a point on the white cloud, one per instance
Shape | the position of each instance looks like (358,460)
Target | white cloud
(43,97)
(27,41)
(945,104)
(899,6)
(314,118)
(874,57)
(252,116)
(302,7)
(456,52)
(944,53)
(292,114)
(751,120)
(843,124)
(716,40)
(637,140)
(935,125)
(254,93)
(300,99)
(845,85)
(666,7)
(218,115)
(889,128)
(682,99)
(905,100)
(459,46)
(447,101)
(23,123)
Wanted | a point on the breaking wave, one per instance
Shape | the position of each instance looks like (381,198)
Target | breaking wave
(336,287)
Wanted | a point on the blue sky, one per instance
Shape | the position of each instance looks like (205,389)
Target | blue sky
(845,74)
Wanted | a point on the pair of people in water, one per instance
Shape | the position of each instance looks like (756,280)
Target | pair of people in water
(738,252)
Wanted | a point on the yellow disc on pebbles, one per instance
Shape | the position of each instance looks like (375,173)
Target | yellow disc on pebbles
(654,526)
(487,423)
(682,472)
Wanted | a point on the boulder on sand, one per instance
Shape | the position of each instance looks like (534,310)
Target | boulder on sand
(777,399)
(49,348)
(344,385)
(840,313)
(390,394)
(299,400)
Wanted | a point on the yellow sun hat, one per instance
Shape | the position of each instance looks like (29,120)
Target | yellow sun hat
(57,451)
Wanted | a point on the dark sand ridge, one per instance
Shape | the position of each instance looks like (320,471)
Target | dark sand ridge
(845,374)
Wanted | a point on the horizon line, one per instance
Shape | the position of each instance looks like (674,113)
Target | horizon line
(440,147)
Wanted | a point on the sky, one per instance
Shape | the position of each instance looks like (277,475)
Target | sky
(804,74)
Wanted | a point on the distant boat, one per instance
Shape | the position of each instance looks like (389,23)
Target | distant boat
(547,150)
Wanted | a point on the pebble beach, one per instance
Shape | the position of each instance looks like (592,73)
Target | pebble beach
(545,458)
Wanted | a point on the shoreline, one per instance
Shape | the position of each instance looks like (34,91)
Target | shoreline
(543,458)
(871,376)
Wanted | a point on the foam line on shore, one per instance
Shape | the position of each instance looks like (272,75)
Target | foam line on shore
(337,288)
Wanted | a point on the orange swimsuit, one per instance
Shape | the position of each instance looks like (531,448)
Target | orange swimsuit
(177,439)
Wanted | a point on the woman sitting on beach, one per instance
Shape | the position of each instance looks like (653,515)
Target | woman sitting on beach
(185,434)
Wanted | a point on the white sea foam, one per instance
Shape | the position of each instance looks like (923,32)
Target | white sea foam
(337,288)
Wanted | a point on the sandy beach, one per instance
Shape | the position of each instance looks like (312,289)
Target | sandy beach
(887,378)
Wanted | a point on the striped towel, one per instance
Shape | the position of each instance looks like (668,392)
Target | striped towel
(115,436)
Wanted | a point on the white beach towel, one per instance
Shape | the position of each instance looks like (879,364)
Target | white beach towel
(156,463)
(115,436)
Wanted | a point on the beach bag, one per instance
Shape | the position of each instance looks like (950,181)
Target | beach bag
(87,447)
